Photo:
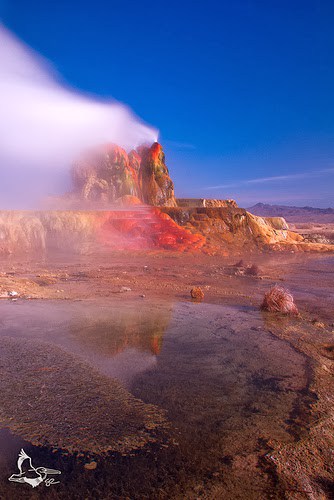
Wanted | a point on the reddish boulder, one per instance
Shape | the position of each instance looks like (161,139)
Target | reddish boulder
(197,293)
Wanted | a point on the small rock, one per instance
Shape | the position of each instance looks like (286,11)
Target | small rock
(13,294)
(197,293)
(90,465)
(142,296)
(125,289)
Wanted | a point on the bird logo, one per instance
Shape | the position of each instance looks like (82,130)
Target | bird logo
(30,474)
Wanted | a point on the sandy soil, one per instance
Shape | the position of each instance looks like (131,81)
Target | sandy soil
(172,275)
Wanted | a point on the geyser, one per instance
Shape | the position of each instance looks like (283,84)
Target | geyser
(108,174)
(45,125)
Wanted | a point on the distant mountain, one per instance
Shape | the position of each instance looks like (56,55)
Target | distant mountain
(294,214)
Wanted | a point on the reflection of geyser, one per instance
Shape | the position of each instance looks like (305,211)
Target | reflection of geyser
(121,342)
(124,366)
(44,126)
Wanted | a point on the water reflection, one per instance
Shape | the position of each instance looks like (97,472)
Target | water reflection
(120,339)
(227,385)
(111,330)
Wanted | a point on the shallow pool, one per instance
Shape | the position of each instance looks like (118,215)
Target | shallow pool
(168,400)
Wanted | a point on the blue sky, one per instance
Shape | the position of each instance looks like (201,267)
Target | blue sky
(241,91)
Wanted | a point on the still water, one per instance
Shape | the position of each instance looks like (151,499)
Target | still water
(145,399)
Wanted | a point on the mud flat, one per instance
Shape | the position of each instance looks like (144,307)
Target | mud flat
(225,401)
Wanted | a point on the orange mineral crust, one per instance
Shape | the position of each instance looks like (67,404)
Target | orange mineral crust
(146,228)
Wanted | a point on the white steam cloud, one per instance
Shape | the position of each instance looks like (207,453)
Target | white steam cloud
(44,125)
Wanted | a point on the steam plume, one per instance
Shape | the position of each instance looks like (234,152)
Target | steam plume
(44,125)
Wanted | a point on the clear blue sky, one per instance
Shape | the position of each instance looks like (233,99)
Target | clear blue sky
(240,90)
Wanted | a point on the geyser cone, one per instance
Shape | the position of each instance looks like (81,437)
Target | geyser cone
(107,173)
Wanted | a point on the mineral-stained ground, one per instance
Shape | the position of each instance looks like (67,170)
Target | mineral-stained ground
(298,466)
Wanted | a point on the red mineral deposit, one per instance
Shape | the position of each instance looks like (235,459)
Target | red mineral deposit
(146,228)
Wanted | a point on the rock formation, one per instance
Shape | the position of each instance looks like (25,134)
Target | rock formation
(107,174)
(140,212)
(204,202)
(233,228)
(156,186)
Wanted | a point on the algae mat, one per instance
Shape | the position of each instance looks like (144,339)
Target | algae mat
(51,399)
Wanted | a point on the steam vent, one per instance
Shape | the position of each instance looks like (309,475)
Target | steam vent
(109,175)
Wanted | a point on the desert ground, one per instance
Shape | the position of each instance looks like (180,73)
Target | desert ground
(280,449)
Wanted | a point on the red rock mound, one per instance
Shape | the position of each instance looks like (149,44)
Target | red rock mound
(146,228)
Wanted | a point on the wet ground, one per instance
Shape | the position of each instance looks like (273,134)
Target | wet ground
(226,384)
(157,396)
